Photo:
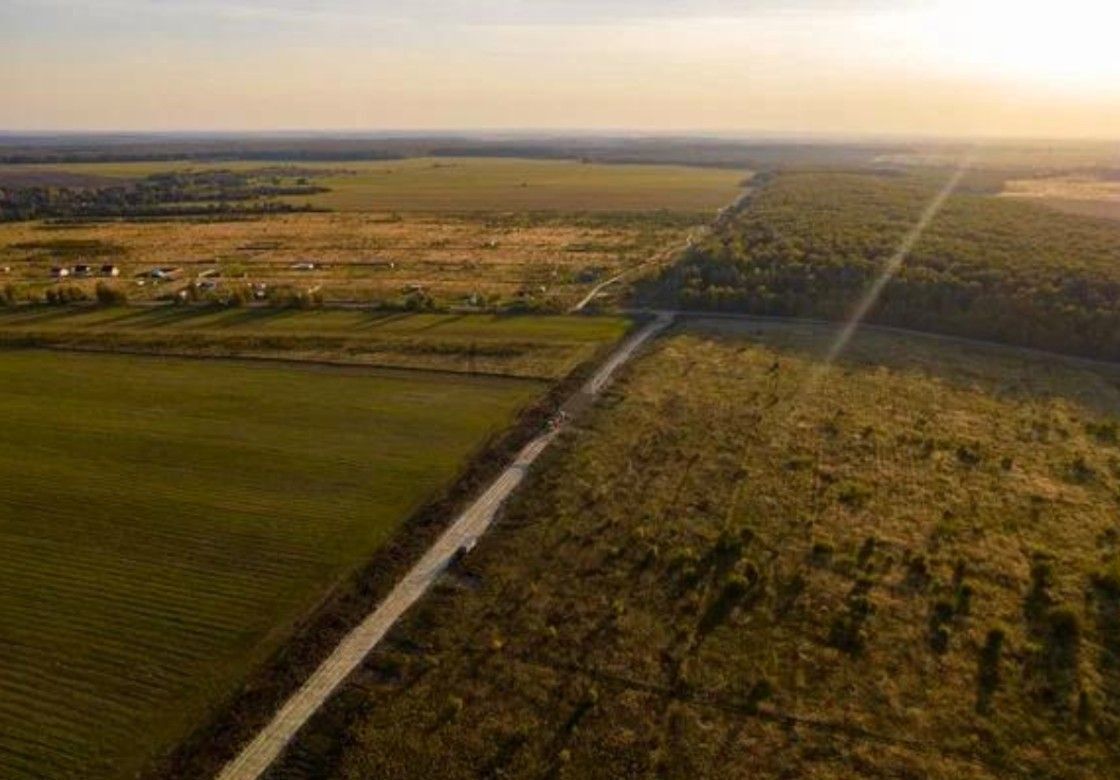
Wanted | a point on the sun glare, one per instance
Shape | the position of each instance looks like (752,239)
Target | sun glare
(1071,44)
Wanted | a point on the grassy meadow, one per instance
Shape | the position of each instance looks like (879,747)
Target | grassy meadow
(464,184)
(165,521)
(493,261)
(744,563)
(540,347)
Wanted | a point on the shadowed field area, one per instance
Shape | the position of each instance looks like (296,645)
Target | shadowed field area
(744,564)
(164,522)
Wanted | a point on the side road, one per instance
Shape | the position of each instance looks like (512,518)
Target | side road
(267,746)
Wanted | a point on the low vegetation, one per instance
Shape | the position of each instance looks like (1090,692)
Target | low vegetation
(744,562)
(166,522)
(490,261)
(810,244)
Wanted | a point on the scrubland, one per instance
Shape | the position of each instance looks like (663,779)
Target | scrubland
(745,562)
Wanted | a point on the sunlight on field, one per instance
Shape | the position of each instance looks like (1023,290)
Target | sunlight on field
(1085,195)
(720,575)
(485,258)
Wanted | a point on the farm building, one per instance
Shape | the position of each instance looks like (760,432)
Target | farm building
(58,272)
(110,270)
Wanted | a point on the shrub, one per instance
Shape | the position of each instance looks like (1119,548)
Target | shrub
(863,559)
(821,553)
(1105,432)
(963,605)
(988,674)
(848,631)
(762,690)
(939,617)
(1063,638)
(1056,662)
(1038,598)
(110,295)
(291,298)
(64,294)
(917,572)
(734,591)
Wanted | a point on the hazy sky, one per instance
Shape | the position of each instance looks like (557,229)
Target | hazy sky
(987,67)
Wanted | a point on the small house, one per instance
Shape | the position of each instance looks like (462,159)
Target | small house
(82,270)
(110,270)
(58,272)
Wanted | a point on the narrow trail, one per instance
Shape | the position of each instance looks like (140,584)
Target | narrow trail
(270,742)
(660,257)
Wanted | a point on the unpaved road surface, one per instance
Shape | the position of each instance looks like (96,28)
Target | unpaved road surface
(267,746)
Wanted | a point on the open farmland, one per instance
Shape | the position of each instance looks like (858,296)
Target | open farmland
(164,522)
(464,184)
(495,260)
(745,564)
(541,347)
(1093,196)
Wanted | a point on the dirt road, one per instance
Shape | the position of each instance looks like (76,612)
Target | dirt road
(267,746)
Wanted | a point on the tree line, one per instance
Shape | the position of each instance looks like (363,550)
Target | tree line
(811,243)
(162,194)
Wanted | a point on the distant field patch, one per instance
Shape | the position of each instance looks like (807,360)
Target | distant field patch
(526,185)
(165,521)
(1085,195)
(478,184)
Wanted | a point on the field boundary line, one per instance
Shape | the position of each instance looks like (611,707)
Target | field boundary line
(290,361)
(256,757)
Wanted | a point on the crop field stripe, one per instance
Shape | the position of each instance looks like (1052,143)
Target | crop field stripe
(161,572)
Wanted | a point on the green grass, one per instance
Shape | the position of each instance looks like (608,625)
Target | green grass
(483,184)
(679,590)
(546,347)
(164,521)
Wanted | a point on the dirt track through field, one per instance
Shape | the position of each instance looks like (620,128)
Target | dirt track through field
(270,742)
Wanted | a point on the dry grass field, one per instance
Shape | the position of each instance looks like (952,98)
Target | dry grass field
(486,260)
(744,564)
(1085,195)
(458,232)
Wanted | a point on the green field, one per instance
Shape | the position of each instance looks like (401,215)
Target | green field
(477,184)
(164,521)
(746,564)
(545,347)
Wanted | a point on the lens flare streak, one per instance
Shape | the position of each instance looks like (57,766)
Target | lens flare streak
(892,267)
